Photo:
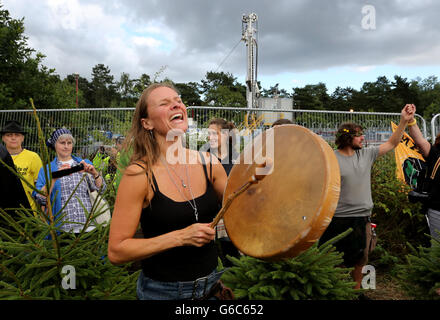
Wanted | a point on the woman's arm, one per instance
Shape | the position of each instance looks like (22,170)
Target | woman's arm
(133,193)
(414,131)
(422,144)
(395,138)
(41,185)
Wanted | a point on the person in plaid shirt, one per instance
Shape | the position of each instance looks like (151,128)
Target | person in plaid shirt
(62,142)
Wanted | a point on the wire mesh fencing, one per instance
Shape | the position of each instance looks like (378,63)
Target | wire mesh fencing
(95,127)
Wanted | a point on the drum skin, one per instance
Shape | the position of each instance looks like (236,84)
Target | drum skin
(286,212)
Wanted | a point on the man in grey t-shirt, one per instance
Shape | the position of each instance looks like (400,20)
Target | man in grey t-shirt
(355,201)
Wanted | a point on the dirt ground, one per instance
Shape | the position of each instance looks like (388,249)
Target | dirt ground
(387,288)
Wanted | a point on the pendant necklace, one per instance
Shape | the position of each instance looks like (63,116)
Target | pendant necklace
(181,180)
(193,203)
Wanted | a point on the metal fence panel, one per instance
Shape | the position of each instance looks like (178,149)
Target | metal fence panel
(324,123)
(95,127)
(435,126)
(90,127)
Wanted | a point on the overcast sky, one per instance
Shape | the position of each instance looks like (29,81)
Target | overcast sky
(340,43)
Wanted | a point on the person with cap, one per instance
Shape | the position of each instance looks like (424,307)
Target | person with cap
(27,163)
(62,188)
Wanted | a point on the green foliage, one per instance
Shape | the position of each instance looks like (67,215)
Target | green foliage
(421,275)
(222,89)
(22,74)
(190,93)
(398,221)
(32,264)
(274,91)
(383,260)
(312,97)
(103,86)
(312,275)
(34,252)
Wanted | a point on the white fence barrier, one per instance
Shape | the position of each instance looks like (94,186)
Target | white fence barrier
(435,126)
(94,127)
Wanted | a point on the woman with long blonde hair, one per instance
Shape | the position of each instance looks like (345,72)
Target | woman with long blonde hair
(173,192)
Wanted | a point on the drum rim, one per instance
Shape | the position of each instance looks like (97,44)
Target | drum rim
(303,237)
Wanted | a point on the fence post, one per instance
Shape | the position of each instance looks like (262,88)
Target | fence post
(433,131)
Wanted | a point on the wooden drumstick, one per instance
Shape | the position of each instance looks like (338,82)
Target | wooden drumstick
(268,163)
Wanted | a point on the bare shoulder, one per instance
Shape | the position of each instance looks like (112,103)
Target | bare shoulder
(134,184)
(135,169)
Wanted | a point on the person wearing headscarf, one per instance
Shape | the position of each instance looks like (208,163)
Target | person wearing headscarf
(62,188)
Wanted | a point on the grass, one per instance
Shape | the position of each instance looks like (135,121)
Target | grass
(387,288)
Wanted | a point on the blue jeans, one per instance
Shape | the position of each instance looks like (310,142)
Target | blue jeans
(149,289)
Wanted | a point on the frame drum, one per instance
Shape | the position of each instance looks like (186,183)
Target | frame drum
(286,212)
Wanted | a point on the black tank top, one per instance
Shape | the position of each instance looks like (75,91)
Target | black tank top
(164,215)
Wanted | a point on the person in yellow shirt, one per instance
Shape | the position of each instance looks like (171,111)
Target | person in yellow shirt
(26,162)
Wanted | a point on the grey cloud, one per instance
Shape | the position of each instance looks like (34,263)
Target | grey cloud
(293,36)
(302,35)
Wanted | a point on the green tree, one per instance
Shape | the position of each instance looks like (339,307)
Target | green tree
(404,91)
(429,95)
(431,110)
(126,89)
(314,274)
(222,89)
(140,84)
(22,75)
(342,99)
(34,254)
(420,277)
(84,90)
(274,91)
(378,96)
(103,88)
(223,96)
(311,97)
(190,93)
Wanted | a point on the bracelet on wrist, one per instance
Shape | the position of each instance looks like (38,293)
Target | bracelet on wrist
(97,176)
(414,122)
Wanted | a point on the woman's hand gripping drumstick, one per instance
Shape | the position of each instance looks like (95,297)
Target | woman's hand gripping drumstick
(267,165)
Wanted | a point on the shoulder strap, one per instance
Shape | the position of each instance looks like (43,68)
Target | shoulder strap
(210,165)
(434,170)
(156,187)
(139,165)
